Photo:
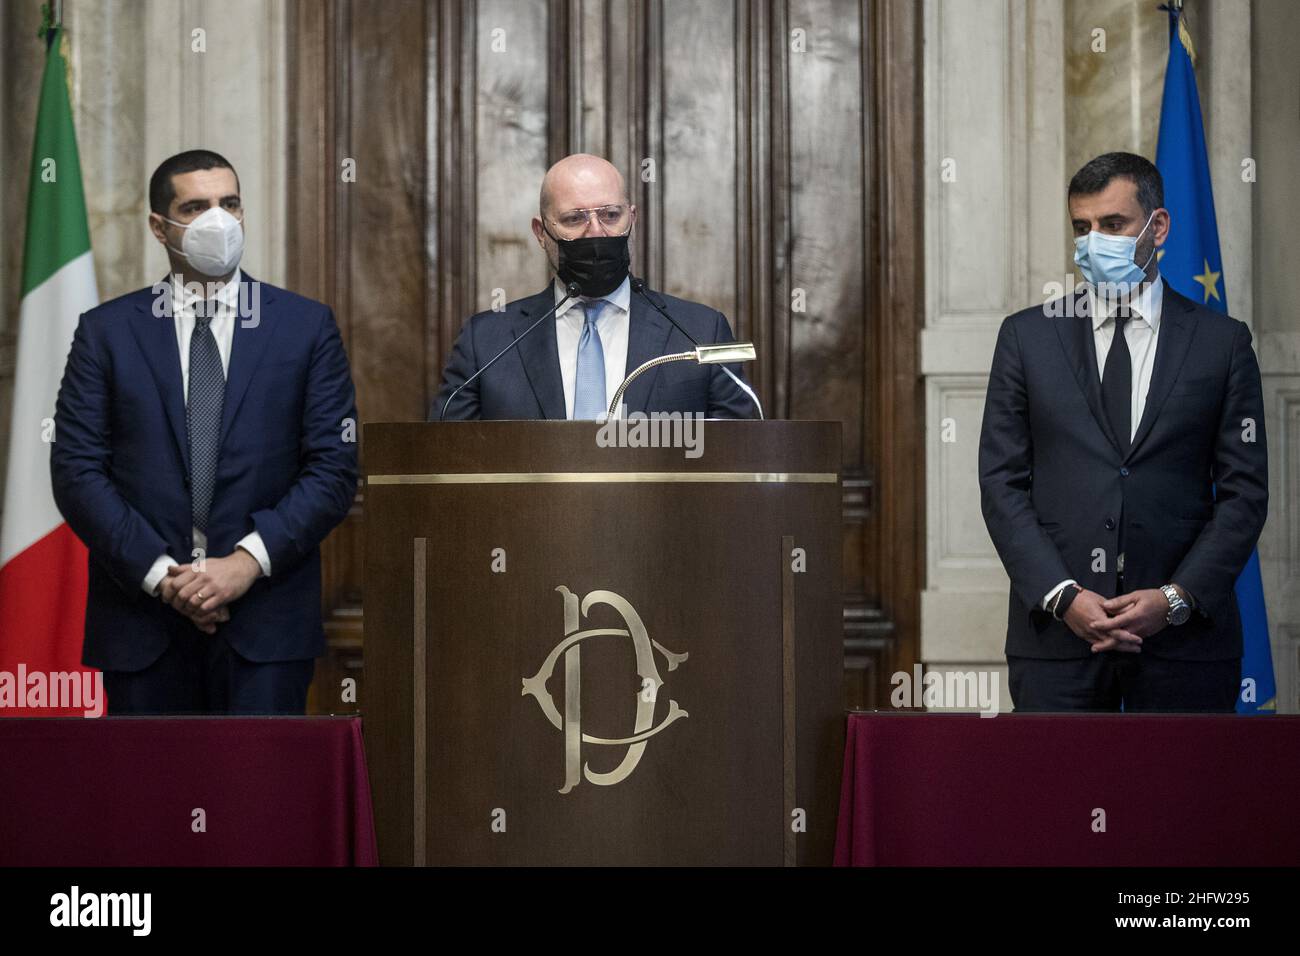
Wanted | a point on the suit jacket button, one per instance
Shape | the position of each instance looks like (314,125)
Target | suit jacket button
(1110,524)
(1124,472)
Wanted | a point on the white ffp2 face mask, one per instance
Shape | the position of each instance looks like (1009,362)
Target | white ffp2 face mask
(213,243)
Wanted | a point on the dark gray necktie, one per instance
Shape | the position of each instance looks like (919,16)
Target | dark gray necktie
(1117,382)
(203,414)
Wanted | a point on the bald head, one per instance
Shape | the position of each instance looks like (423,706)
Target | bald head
(580,181)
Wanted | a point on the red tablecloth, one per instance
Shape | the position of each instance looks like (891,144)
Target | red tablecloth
(122,791)
(930,789)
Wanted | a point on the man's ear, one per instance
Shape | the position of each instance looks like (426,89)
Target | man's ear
(1161,226)
(158,227)
(538,232)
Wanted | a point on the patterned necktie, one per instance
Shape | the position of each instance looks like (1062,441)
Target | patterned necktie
(589,392)
(1117,382)
(203,415)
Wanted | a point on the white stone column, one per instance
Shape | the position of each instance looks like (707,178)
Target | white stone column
(995,231)
(107,55)
(224,89)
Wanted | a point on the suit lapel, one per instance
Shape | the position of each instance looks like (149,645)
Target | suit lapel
(157,339)
(541,355)
(252,333)
(1176,324)
(156,335)
(1075,331)
(647,338)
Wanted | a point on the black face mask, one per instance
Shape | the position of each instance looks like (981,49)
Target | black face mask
(599,264)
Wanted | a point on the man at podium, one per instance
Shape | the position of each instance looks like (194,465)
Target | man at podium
(564,352)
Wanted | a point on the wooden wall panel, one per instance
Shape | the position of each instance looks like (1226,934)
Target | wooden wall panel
(511,123)
(890,630)
(775,169)
(696,159)
(385,260)
(356,212)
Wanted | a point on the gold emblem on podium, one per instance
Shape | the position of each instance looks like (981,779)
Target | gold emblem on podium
(570,723)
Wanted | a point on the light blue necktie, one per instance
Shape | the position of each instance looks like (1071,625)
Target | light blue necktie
(589,392)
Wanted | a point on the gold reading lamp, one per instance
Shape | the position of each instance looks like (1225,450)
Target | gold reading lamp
(704,355)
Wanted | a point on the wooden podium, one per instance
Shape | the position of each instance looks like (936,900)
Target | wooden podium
(579,654)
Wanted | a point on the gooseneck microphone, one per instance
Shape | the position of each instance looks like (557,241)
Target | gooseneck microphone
(639,287)
(571,291)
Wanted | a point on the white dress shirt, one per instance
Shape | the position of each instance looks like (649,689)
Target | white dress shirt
(223,330)
(612,326)
(1141,334)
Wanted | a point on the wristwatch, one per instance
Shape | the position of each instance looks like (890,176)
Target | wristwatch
(1064,598)
(1179,610)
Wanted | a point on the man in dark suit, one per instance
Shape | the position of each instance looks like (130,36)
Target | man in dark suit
(1124,474)
(572,365)
(204,446)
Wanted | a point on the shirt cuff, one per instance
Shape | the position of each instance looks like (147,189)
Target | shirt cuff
(253,544)
(157,572)
(1056,590)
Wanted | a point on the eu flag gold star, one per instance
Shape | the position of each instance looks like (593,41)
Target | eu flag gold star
(1210,281)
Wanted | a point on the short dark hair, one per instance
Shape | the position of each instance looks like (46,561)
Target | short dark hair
(161,189)
(1096,175)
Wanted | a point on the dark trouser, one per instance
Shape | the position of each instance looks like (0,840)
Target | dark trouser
(1139,682)
(202,674)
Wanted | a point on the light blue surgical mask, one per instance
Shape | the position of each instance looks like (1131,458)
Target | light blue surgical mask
(1107,261)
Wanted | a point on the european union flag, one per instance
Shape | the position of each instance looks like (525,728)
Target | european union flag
(1190,263)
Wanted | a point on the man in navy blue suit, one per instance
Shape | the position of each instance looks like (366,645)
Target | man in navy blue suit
(572,365)
(204,447)
(1123,470)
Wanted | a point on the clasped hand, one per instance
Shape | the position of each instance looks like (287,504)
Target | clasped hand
(1119,623)
(204,596)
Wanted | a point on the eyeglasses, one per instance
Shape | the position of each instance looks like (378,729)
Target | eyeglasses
(613,219)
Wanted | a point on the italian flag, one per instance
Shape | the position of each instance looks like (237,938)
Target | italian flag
(42,563)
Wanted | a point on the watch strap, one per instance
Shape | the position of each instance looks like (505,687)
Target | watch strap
(1176,602)
(1064,599)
